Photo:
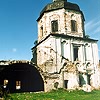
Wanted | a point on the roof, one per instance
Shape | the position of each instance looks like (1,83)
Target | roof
(8,62)
(66,37)
(59,5)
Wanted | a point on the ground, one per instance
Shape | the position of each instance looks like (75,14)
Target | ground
(60,94)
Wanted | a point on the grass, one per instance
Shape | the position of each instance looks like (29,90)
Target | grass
(58,95)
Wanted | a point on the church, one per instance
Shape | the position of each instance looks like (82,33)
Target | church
(63,57)
(64,54)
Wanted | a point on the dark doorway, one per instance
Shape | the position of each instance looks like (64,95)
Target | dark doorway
(22,77)
(66,83)
(88,79)
(81,80)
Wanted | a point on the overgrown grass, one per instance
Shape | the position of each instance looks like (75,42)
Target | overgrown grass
(58,95)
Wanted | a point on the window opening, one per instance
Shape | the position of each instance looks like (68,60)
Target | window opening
(5,83)
(75,52)
(62,49)
(18,85)
(41,29)
(73,26)
(54,25)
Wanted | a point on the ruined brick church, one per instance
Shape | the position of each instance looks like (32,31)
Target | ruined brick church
(63,57)
(66,57)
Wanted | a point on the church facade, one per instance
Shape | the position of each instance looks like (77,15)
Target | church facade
(64,55)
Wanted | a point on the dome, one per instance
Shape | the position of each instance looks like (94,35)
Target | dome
(59,4)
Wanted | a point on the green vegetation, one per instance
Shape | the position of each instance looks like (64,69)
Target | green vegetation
(57,95)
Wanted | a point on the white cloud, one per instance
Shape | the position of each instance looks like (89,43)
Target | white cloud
(97,23)
(14,50)
(93,26)
(87,25)
(97,30)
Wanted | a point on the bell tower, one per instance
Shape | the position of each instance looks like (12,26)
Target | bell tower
(62,44)
(61,17)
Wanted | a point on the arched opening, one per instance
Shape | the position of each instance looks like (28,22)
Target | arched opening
(21,77)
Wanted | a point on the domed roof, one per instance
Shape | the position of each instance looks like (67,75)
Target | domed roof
(58,4)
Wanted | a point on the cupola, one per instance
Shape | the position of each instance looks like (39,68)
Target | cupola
(61,17)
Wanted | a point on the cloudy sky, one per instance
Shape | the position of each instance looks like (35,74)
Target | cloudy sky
(18,26)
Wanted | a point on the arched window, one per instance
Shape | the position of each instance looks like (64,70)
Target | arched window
(54,25)
(73,26)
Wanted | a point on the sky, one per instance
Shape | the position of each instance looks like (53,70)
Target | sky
(18,25)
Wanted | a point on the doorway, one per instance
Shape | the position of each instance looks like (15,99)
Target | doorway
(66,84)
